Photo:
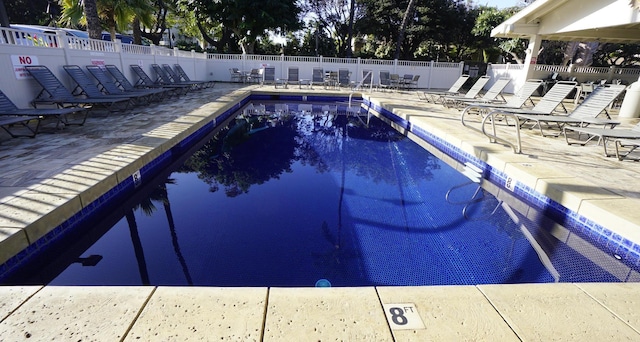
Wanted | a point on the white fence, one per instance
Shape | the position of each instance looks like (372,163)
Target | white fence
(18,48)
(580,73)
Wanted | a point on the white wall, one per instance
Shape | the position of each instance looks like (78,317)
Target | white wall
(215,67)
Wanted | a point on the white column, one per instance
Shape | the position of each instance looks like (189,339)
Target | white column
(532,56)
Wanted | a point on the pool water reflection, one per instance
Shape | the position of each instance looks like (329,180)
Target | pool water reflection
(297,196)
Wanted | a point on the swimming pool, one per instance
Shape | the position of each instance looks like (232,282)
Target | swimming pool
(323,197)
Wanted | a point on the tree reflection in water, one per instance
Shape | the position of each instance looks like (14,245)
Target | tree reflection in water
(159,194)
(231,158)
(257,148)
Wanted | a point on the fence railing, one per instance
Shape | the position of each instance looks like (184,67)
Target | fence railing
(56,50)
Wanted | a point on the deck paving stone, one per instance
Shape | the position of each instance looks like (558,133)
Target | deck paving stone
(11,297)
(202,314)
(556,312)
(76,314)
(319,314)
(621,299)
(449,313)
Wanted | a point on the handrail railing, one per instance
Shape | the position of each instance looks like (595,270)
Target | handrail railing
(493,136)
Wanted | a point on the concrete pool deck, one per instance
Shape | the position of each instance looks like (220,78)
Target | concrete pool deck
(46,180)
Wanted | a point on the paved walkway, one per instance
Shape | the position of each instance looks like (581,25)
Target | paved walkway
(45,180)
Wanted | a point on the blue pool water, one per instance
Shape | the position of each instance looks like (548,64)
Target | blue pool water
(311,197)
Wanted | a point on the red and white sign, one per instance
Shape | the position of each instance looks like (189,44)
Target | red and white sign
(19,62)
(98,62)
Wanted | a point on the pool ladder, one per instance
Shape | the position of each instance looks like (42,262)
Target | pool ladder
(474,174)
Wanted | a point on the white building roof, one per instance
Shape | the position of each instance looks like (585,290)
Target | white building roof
(613,21)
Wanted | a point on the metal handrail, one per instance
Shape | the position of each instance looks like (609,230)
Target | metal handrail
(493,136)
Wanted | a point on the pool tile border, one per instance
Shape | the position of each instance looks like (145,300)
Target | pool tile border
(603,238)
(607,240)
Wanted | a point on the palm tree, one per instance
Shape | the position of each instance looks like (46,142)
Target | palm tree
(160,194)
(137,247)
(116,14)
(81,11)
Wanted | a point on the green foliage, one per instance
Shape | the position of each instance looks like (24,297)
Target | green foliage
(31,12)
(248,20)
(116,15)
(494,48)
(188,46)
(623,55)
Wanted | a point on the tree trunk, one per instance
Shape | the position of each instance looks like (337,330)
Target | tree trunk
(137,32)
(4,18)
(403,27)
(93,21)
(352,11)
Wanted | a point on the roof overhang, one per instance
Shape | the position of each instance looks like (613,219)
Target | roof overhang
(610,21)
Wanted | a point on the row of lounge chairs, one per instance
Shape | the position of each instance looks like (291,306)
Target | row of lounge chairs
(455,98)
(332,79)
(113,92)
(551,118)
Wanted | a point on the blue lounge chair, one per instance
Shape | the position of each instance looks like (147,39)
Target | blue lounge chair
(185,78)
(269,76)
(87,87)
(123,82)
(108,85)
(11,115)
(163,78)
(145,81)
(317,77)
(54,92)
(344,78)
(175,78)
(384,80)
(293,77)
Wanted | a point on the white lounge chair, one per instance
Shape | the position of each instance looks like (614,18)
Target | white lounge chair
(625,149)
(492,96)
(451,100)
(603,135)
(433,95)
(518,100)
(583,115)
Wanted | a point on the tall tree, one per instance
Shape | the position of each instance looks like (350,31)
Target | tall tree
(488,18)
(246,19)
(84,12)
(408,14)
(430,25)
(93,21)
(116,15)
(336,19)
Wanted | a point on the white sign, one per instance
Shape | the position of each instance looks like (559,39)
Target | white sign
(510,184)
(19,61)
(403,316)
(137,179)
